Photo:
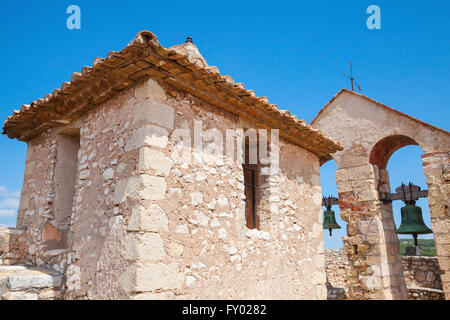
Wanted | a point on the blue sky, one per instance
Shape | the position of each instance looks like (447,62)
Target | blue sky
(291,52)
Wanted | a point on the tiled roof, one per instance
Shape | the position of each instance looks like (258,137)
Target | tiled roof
(181,66)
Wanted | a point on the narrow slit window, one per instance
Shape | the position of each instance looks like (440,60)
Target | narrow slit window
(250,196)
(251,172)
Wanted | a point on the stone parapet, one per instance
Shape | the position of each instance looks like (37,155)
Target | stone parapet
(336,266)
(29,283)
(12,246)
(425,294)
(421,273)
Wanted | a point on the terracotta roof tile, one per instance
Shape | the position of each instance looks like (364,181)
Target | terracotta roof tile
(181,66)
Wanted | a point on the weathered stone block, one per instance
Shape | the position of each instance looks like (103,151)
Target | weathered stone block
(361,172)
(344,186)
(439,210)
(148,136)
(369,227)
(149,89)
(151,159)
(368,195)
(370,282)
(359,239)
(144,247)
(440,226)
(142,187)
(342,175)
(42,280)
(443,250)
(444,263)
(149,111)
(143,277)
(442,238)
(148,219)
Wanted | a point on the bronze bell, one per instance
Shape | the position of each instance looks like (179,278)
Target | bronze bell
(412,221)
(329,220)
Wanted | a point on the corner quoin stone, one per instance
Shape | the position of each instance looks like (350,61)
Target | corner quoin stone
(148,135)
(143,187)
(151,159)
(144,277)
(144,247)
(149,89)
(149,111)
(152,219)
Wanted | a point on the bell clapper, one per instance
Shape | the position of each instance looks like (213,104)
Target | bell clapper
(331,230)
(415,239)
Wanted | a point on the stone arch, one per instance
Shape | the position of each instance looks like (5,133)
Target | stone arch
(370,133)
(386,147)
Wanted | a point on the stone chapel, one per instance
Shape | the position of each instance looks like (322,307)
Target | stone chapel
(122,199)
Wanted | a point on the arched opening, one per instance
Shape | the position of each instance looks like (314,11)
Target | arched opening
(421,272)
(398,158)
(328,183)
(405,166)
(335,260)
(399,161)
(383,150)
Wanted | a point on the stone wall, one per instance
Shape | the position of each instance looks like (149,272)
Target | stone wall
(422,272)
(437,172)
(422,276)
(12,246)
(194,216)
(336,266)
(87,245)
(371,243)
(29,283)
(35,213)
(146,224)
(96,238)
(425,294)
